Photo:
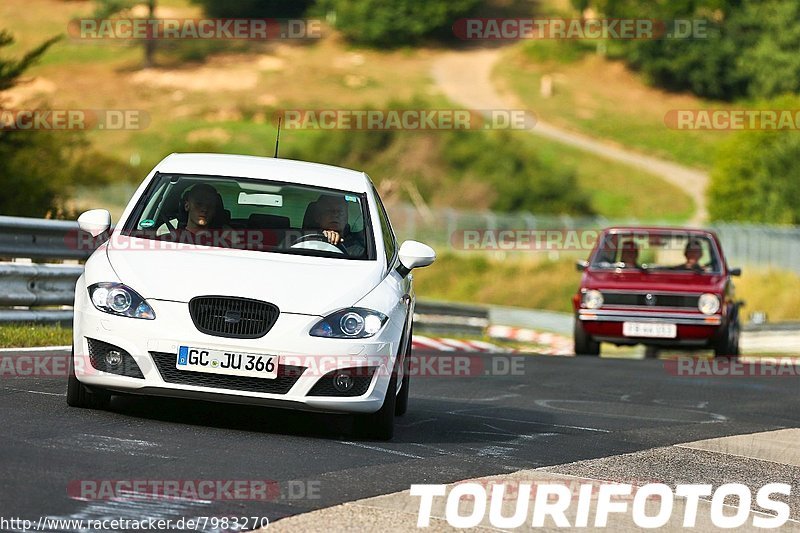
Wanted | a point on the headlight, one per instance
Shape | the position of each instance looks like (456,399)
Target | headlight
(353,323)
(118,299)
(593,299)
(708,304)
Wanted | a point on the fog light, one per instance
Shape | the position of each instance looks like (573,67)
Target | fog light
(342,381)
(113,358)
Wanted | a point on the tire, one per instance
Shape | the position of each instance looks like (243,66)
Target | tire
(584,345)
(401,405)
(380,425)
(78,395)
(728,343)
(651,352)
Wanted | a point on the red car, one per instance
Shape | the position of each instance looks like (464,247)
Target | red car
(661,287)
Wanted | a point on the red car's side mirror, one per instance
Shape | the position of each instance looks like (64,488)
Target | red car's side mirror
(735,272)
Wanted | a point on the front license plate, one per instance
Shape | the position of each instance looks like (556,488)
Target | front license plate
(645,329)
(249,365)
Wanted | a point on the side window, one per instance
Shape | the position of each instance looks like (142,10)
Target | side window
(389,241)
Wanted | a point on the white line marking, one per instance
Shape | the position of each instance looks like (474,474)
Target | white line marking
(418,422)
(434,448)
(715,416)
(37,392)
(489,399)
(531,422)
(37,349)
(379,449)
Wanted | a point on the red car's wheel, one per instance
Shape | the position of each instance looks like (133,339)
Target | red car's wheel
(727,344)
(584,344)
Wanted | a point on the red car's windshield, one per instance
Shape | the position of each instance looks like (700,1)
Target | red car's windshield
(662,251)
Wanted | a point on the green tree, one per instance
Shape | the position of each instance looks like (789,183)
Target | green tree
(254,8)
(756,177)
(771,62)
(10,69)
(108,8)
(751,47)
(40,168)
(396,23)
(706,67)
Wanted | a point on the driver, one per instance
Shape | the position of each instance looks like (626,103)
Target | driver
(629,254)
(330,215)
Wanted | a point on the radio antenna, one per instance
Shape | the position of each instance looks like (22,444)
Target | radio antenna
(278,138)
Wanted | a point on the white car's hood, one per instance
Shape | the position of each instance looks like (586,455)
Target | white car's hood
(296,284)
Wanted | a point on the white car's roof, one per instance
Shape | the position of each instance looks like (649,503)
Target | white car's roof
(267,168)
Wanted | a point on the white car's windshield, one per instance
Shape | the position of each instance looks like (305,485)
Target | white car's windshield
(657,251)
(251,214)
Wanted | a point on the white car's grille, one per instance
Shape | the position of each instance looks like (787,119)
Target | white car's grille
(237,318)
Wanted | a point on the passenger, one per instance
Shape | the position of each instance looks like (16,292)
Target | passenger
(693,252)
(204,215)
(200,204)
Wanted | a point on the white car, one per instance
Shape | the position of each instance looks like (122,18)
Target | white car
(249,280)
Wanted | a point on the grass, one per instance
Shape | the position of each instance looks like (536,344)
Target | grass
(482,280)
(602,98)
(619,192)
(771,291)
(538,283)
(30,335)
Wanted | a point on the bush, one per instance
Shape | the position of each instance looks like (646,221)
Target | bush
(706,67)
(41,169)
(520,179)
(254,8)
(399,22)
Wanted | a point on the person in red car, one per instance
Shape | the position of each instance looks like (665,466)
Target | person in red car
(629,254)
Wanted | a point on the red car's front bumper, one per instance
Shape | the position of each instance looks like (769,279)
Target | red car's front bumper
(693,329)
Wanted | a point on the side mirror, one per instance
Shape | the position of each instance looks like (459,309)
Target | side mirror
(413,255)
(735,272)
(580,266)
(95,222)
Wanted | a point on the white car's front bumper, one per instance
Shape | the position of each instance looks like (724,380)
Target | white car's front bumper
(173,327)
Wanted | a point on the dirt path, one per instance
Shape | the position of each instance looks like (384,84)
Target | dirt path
(465,78)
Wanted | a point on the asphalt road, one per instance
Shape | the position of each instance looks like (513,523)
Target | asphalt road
(553,410)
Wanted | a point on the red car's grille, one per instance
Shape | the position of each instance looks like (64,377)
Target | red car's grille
(650,299)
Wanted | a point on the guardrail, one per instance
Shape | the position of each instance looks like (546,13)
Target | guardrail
(40,239)
(744,244)
(32,292)
(26,287)
(445,317)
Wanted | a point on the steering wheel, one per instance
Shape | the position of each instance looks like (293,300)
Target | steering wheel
(316,241)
